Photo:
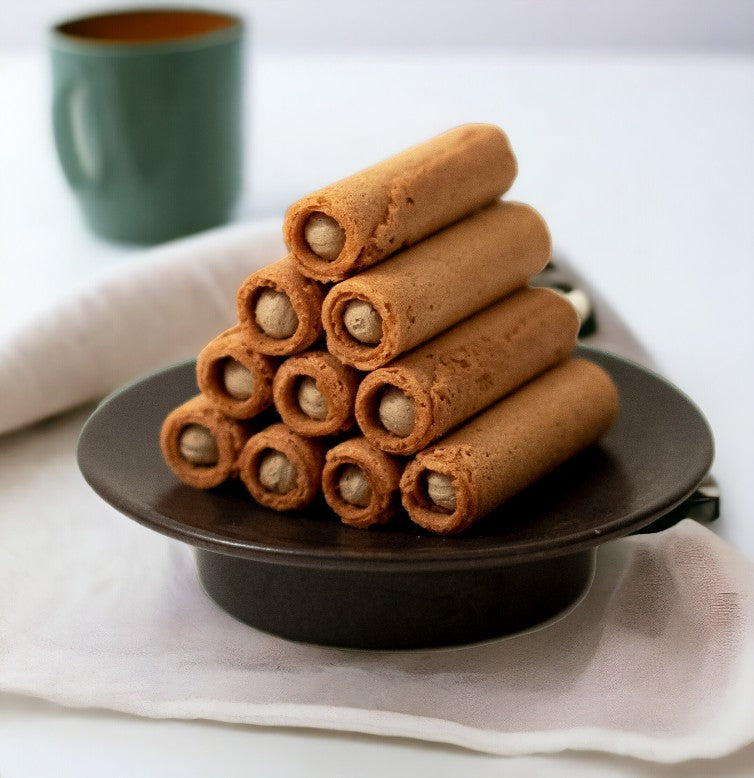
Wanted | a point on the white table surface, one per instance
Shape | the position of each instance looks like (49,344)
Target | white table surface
(644,169)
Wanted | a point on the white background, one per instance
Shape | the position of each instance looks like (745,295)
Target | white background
(633,123)
(327,25)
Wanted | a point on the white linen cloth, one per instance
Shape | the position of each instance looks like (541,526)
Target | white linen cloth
(154,309)
(656,662)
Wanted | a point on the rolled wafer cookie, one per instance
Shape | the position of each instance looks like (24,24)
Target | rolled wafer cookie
(235,378)
(360,483)
(314,394)
(201,444)
(431,286)
(281,469)
(279,309)
(456,481)
(354,223)
(460,372)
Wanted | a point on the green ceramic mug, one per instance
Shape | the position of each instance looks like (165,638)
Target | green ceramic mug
(147,110)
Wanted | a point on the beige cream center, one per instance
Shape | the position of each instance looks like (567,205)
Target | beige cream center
(275,315)
(276,472)
(311,401)
(354,486)
(363,322)
(237,379)
(396,412)
(324,235)
(197,445)
(440,490)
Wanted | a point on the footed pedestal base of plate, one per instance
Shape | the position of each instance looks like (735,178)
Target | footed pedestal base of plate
(398,609)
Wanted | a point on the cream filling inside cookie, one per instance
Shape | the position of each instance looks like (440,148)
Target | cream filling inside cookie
(275,315)
(237,379)
(354,486)
(197,445)
(440,490)
(311,401)
(276,472)
(324,235)
(396,412)
(363,322)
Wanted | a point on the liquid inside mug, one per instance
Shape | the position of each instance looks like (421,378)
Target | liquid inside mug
(147,112)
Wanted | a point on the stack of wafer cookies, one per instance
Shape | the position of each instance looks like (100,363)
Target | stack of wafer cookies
(398,355)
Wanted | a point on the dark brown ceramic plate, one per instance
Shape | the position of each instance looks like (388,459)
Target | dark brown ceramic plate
(307,577)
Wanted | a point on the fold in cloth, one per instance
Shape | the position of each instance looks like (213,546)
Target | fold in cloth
(656,662)
(152,310)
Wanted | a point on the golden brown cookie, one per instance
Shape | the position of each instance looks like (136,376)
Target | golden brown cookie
(431,286)
(279,310)
(447,380)
(462,477)
(234,377)
(354,223)
(360,483)
(281,469)
(201,444)
(314,393)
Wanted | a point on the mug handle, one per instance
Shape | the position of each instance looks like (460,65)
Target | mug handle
(79,156)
